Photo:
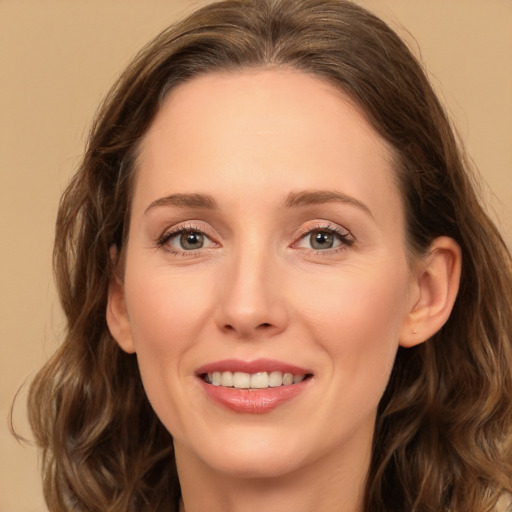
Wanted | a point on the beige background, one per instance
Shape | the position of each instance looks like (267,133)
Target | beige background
(58,58)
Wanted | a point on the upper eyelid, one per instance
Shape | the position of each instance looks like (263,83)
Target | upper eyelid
(188,225)
(176,229)
(319,225)
(345,235)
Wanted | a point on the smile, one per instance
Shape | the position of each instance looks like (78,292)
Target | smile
(259,380)
(253,387)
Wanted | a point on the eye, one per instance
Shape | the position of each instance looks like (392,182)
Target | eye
(185,239)
(190,240)
(322,240)
(325,238)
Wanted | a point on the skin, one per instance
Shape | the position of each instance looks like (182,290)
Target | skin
(258,289)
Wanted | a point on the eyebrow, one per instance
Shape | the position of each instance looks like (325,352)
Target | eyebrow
(309,197)
(293,200)
(185,201)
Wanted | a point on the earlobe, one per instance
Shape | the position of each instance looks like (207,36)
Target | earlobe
(437,281)
(116,314)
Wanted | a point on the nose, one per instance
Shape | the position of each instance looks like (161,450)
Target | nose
(252,300)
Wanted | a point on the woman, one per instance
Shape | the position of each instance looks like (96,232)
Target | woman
(281,290)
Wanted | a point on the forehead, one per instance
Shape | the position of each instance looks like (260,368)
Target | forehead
(240,128)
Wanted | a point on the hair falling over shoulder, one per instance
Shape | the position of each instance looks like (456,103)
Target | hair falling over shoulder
(443,439)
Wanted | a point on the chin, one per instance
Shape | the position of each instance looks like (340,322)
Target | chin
(244,453)
(269,466)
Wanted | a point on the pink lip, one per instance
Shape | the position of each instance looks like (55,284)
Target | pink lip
(258,365)
(252,401)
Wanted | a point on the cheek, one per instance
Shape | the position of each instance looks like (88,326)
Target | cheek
(165,312)
(357,321)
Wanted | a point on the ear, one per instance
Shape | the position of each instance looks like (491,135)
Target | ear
(117,315)
(437,277)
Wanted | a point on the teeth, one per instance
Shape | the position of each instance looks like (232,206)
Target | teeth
(241,380)
(287,379)
(226,379)
(260,380)
(275,379)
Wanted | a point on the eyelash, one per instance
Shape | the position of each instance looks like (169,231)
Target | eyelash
(179,230)
(342,235)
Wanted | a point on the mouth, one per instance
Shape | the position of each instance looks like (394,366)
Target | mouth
(253,387)
(258,380)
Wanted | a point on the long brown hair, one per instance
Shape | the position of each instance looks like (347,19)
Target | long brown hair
(443,439)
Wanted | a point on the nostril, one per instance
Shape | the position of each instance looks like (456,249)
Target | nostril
(244,330)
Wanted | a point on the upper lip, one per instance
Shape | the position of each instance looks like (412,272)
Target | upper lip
(255,366)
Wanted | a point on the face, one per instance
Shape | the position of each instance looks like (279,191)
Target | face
(266,250)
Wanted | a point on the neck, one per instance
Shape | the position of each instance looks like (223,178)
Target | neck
(335,483)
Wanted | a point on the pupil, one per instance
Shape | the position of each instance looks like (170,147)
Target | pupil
(191,240)
(322,240)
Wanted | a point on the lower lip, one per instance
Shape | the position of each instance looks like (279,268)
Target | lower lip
(253,401)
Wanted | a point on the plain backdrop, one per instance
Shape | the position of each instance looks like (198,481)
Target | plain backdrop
(57,60)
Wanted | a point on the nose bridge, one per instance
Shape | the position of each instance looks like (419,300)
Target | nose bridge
(251,301)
